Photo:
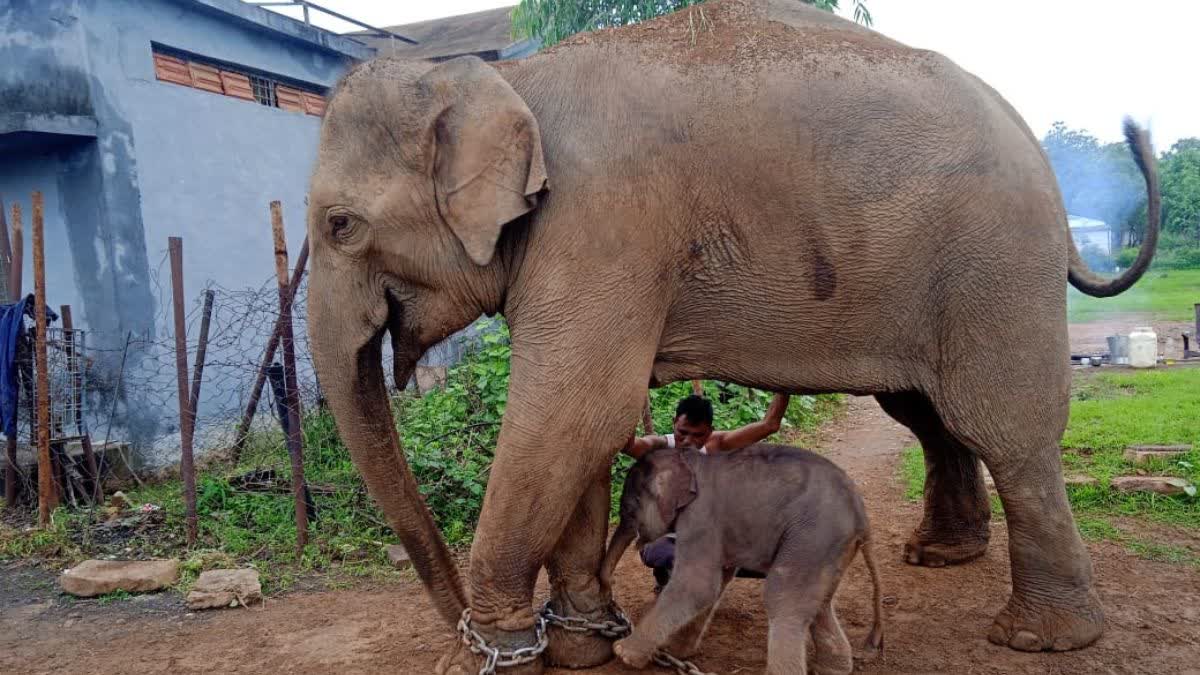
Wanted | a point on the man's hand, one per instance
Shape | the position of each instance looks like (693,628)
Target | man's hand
(726,441)
(640,445)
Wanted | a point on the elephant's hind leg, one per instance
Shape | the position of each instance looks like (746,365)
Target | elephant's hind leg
(955,527)
(1054,605)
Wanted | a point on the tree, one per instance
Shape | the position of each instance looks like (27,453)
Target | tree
(1179,178)
(555,20)
(1098,181)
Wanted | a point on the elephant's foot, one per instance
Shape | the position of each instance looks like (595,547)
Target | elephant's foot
(460,660)
(935,549)
(1029,627)
(581,649)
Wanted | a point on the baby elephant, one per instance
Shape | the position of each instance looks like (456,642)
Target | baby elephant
(786,512)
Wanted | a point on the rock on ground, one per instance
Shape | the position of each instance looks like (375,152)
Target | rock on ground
(1163,485)
(225,588)
(98,577)
(399,557)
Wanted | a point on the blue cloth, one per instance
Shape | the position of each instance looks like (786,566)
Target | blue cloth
(11,323)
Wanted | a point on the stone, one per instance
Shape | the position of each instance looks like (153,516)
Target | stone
(1163,485)
(1080,480)
(225,588)
(98,577)
(430,378)
(399,557)
(118,501)
(1142,454)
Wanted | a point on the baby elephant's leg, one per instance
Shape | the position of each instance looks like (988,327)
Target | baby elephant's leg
(834,655)
(793,601)
(686,642)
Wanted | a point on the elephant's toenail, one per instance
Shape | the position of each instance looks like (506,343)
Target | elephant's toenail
(1026,642)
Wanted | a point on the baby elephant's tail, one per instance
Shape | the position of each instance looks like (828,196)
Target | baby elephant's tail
(874,644)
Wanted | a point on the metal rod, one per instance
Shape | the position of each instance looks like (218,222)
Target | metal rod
(201,350)
(330,12)
(1196,335)
(295,441)
(243,430)
(89,456)
(187,422)
(47,495)
(113,412)
(12,486)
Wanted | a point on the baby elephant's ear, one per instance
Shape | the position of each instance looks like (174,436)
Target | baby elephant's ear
(676,487)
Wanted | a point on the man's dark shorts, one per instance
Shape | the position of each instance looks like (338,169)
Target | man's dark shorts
(660,555)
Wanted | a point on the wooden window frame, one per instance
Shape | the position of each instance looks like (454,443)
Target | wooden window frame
(216,77)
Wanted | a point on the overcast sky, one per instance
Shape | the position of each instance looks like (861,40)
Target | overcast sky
(1086,62)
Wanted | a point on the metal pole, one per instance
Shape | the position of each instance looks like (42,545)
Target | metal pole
(243,430)
(294,440)
(201,350)
(1196,334)
(47,495)
(186,420)
(11,479)
(89,456)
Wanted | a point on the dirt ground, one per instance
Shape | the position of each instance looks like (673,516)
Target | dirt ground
(936,618)
(1090,338)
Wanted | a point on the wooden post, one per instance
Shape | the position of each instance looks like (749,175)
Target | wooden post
(16,271)
(243,430)
(698,387)
(5,256)
(187,422)
(95,495)
(295,441)
(47,495)
(1196,334)
(201,351)
(11,485)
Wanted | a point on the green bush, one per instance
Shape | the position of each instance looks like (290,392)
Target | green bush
(1175,252)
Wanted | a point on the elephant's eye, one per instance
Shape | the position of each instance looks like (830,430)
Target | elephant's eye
(339,223)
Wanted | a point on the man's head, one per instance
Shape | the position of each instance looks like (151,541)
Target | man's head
(693,422)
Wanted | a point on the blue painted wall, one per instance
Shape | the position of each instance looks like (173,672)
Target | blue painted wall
(166,161)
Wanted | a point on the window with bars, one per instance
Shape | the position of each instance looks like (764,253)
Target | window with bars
(237,82)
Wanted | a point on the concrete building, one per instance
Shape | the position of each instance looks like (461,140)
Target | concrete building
(1091,232)
(144,119)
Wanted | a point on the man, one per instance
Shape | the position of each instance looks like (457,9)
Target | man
(693,430)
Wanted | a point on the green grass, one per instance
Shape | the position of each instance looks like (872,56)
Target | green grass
(1165,295)
(1110,411)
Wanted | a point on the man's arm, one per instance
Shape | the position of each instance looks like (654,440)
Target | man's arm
(750,434)
(640,445)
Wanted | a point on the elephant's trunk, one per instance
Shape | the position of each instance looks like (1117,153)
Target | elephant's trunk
(354,383)
(1078,273)
(622,537)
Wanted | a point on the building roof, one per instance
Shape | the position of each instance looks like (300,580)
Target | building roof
(283,26)
(487,33)
(1079,223)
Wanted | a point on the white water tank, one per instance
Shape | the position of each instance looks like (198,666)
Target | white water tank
(1143,347)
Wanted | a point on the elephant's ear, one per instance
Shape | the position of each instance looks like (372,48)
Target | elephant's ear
(674,486)
(487,162)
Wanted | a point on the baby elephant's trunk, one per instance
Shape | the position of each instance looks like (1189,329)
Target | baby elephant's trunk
(874,644)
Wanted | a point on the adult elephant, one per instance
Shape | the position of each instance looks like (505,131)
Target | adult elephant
(766,195)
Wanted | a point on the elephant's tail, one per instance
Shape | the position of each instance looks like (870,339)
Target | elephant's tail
(1079,274)
(874,644)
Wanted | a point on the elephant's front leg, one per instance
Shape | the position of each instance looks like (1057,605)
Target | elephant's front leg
(565,419)
(575,588)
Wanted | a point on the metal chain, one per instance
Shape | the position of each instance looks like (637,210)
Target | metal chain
(494,657)
(613,630)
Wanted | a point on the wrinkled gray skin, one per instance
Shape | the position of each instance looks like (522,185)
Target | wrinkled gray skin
(772,508)
(789,202)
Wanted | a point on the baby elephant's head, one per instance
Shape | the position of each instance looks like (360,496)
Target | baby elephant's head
(656,489)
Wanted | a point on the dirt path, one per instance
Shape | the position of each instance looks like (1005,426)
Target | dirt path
(936,622)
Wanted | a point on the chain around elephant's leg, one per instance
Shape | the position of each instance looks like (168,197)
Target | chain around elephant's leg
(578,602)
